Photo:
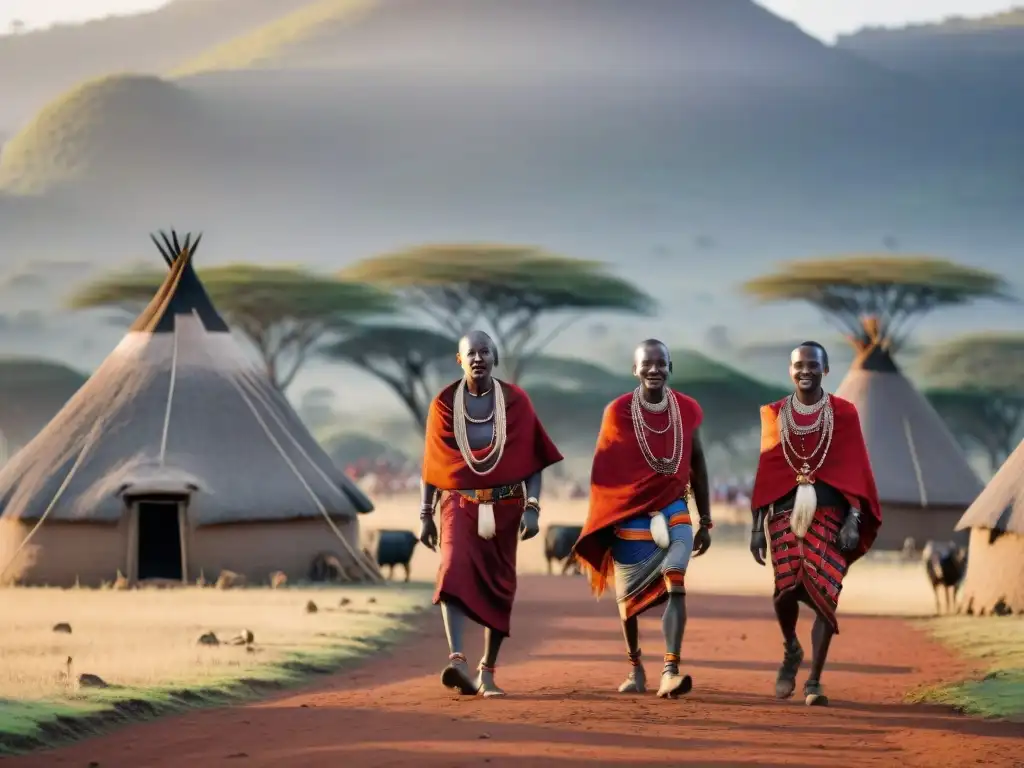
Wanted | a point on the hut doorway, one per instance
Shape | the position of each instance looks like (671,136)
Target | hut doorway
(160,540)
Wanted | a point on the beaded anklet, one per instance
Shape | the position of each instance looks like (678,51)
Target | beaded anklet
(454,657)
(672,661)
(634,658)
(485,668)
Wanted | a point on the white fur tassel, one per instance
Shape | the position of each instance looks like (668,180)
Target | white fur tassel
(804,506)
(485,525)
(659,531)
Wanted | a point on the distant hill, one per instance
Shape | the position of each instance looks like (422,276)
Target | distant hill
(985,51)
(50,61)
(31,393)
(688,143)
(505,41)
(101,131)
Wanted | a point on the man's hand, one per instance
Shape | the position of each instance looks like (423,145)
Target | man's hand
(428,532)
(849,534)
(529,526)
(758,546)
(701,542)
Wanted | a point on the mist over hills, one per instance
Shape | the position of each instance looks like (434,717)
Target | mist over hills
(690,144)
(985,52)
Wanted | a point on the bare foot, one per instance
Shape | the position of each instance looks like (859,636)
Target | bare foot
(485,684)
(785,682)
(456,676)
(674,684)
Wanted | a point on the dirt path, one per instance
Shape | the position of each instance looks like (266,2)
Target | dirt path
(561,667)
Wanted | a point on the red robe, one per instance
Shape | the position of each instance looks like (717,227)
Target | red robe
(622,483)
(480,574)
(846,468)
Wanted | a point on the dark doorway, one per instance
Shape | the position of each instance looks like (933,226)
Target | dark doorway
(159,540)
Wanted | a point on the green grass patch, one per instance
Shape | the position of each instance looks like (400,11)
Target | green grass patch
(999,642)
(50,720)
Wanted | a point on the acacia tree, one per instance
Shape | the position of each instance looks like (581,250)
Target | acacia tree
(892,291)
(572,409)
(976,382)
(508,289)
(410,360)
(285,312)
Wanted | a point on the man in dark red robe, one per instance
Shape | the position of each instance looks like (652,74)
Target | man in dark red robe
(484,453)
(648,458)
(815,500)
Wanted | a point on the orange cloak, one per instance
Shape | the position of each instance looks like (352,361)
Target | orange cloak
(622,483)
(846,468)
(528,449)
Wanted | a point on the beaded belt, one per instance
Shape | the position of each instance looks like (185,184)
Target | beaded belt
(492,495)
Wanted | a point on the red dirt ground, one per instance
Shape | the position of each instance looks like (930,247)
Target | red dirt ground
(561,668)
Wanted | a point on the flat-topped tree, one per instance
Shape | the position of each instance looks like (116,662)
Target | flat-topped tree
(924,479)
(976,382)
(507,288)
(285,312)
(412,361)
(894,291)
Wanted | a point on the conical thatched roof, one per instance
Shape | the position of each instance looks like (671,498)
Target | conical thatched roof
(916,459)
(177,408)
(1000,507)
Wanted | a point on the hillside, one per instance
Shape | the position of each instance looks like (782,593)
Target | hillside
(31,393)
(603,138)
(986,51)
(100,131)
(734,39)
(50,61)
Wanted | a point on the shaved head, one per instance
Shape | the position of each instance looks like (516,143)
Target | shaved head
(478,340)
(652,364)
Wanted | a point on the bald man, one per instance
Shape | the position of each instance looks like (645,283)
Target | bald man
(485,450)
(648,462)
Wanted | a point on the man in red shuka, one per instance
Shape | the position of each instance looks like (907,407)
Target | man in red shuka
(484,453)
(815,497)
(648,457)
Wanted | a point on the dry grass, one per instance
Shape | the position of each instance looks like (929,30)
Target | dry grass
(876,585)
(147,639)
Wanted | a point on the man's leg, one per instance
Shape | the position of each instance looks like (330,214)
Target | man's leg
(636,681)
(787,610)
(456,675)
(673,624)
(821,639)
(485,680)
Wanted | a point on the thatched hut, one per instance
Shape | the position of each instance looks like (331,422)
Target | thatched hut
(994,582)
(924,479)
(177,457)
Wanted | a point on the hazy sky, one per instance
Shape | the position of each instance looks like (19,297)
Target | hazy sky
(823,18)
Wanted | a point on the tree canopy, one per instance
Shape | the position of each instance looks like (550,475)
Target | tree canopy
(892,290)
(284,311)
(412,361)
(570,395)
(976,382)
(505,288)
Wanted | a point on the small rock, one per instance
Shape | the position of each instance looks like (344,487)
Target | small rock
(208,639)
(372,600)
(86,680)
(230,580)
(93,764)
(237,754)
(344,601)
(743,637)
(311,607)
(245,637)
(484,736)
(62,627)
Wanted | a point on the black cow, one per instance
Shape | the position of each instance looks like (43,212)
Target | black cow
(946,563)
(558,544)
(391,548)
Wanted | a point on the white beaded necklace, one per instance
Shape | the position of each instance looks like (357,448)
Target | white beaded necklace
(500,434)
(663,466)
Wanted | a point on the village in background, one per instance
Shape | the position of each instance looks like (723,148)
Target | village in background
(235,266)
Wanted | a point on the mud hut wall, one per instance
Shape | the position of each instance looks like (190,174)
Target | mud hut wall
(995,572)
(61,552)
(256,550)
(900,522)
